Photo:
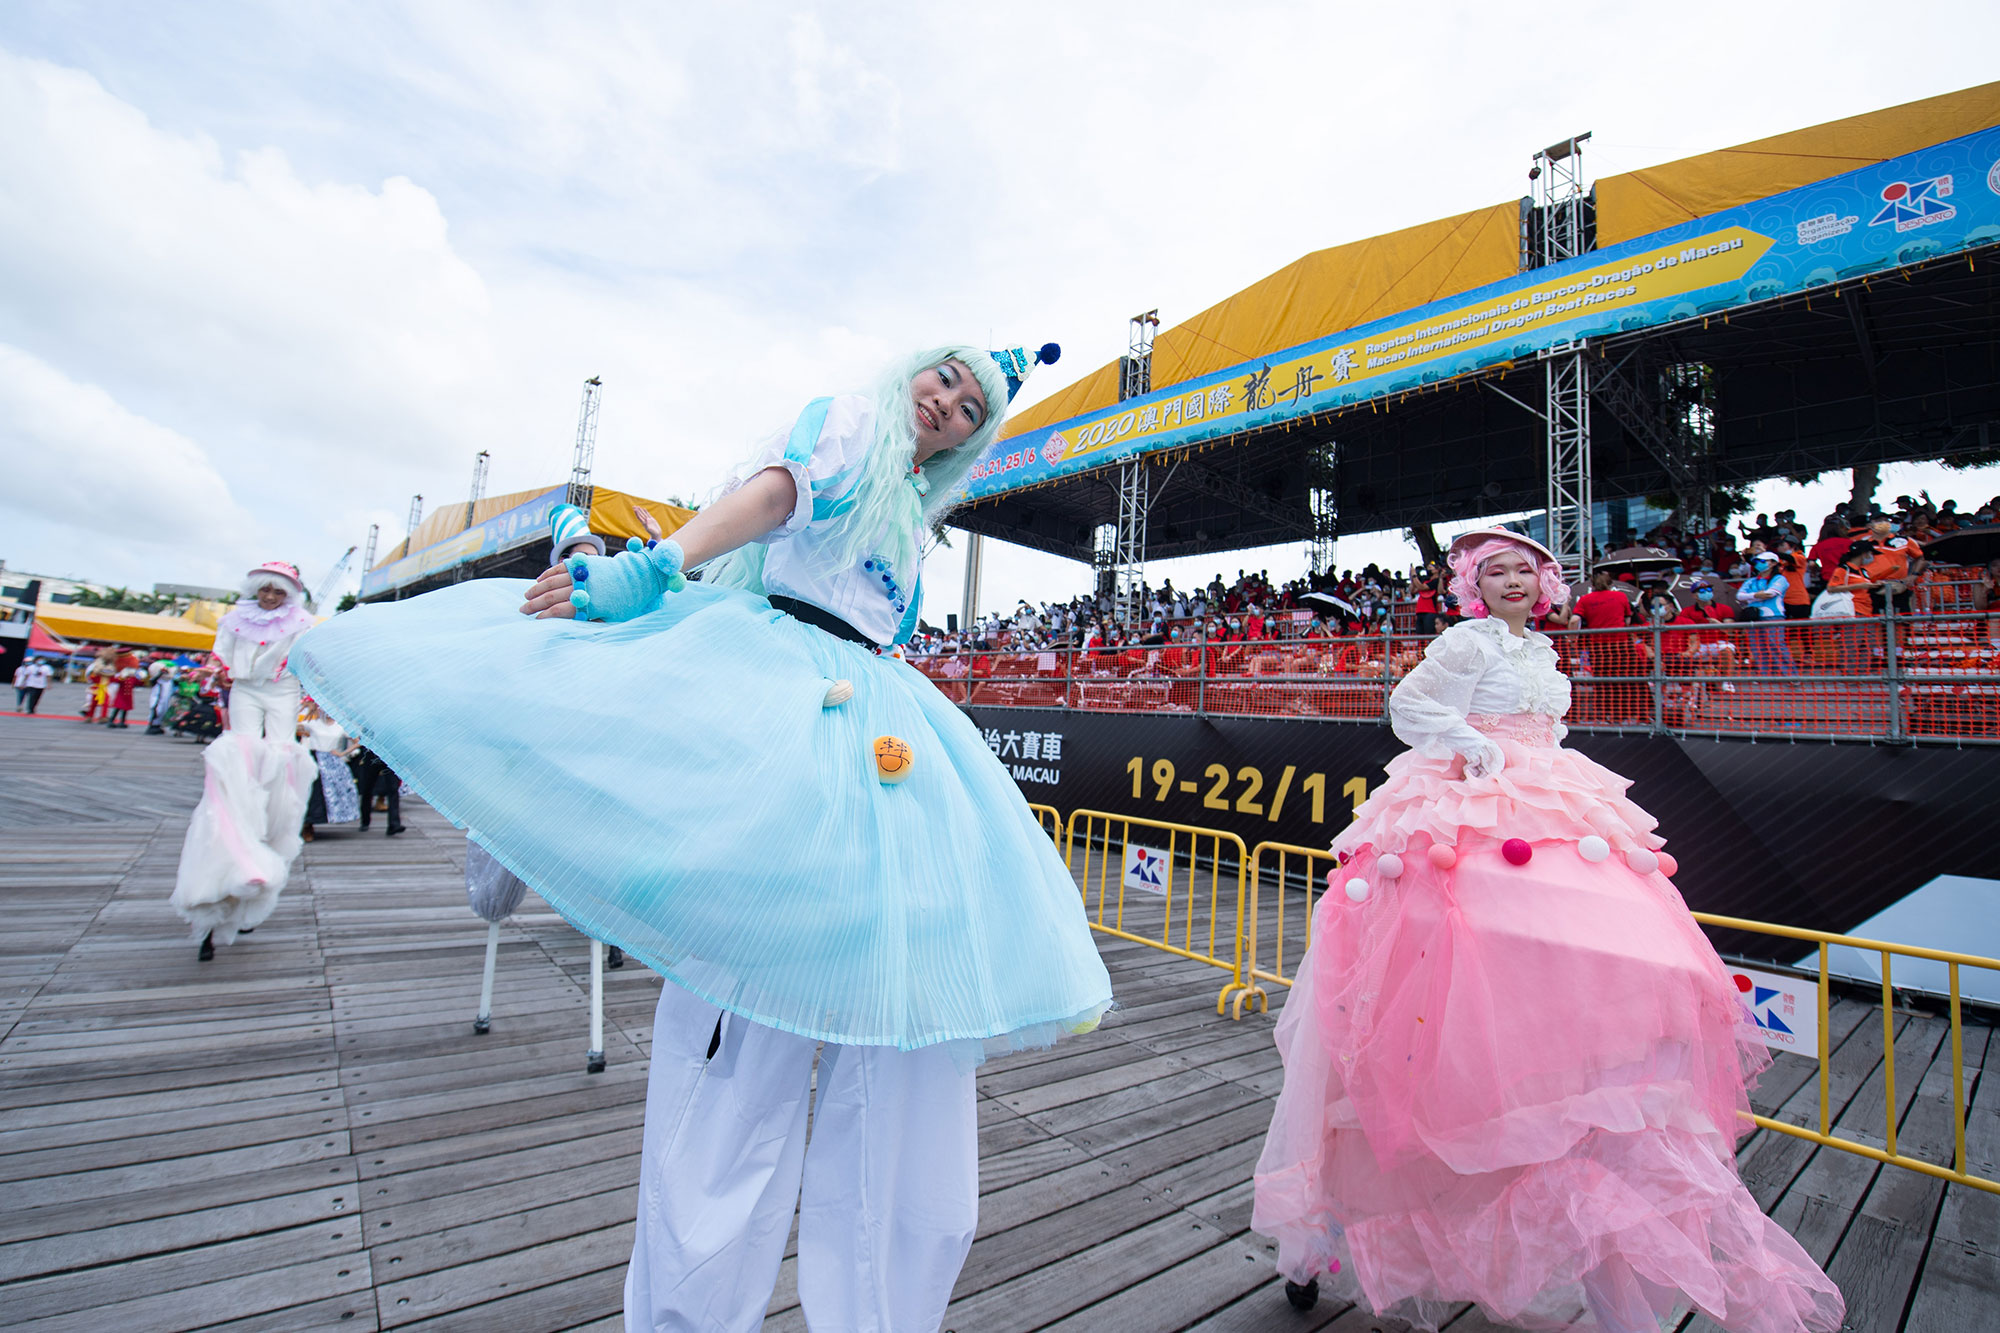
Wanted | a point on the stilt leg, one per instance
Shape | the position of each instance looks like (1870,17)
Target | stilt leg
(593,1061)
(485,1019)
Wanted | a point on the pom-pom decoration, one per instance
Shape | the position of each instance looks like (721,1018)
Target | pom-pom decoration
(1357,890)
(1087,1025)
(893,759)
(1642,861)
(1668,866)
(634,544)
(1048,354)
(1333,879)
(1443,857)
(1593,849)
(838,692)
(581,601)
(1517,851)
(579,572)
(1389,866)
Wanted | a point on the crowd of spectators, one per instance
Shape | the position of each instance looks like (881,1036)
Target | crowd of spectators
(1765,570)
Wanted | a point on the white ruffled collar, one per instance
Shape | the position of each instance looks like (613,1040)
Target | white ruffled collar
(1496,629)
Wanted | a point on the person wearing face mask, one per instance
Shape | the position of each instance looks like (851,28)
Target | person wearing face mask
(1513,1063)
(245,834)
(1761,599)
(1707,652)
(805,837)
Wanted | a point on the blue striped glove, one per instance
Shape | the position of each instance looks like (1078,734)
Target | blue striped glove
(625,586)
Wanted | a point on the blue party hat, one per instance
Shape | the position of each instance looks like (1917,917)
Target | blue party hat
(1016,362)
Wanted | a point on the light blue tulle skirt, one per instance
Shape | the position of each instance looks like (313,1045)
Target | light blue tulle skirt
(674,785)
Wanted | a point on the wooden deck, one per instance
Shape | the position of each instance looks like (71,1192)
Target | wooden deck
(306,1133)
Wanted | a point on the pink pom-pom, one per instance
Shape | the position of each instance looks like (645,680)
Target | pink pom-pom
(1668,866)
(1443,857)
(1517,851)
(1333,879)
(1642,861)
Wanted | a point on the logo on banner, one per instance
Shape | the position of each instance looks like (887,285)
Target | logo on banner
(1993,178)
(1145,869)
(1785,1010)
(1911,204)
(1054,447)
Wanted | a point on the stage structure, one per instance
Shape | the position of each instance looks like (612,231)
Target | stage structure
(1809,302)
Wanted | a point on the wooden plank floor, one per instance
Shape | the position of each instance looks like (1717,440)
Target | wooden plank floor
(305,1132)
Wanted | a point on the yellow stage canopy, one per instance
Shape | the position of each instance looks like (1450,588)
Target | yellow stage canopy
(610,516)
(95,624)
(1331,290)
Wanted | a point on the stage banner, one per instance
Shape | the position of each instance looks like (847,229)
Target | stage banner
(1936,201)
(520,525)
(1820,836)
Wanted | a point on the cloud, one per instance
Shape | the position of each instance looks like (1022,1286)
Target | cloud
(75,456)
(315,315)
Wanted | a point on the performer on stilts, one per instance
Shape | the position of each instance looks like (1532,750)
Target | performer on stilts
(257,778)
(806,838)
(1513,1062)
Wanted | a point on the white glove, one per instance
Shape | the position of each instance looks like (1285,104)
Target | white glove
(1485,762)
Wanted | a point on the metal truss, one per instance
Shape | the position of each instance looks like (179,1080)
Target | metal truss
(1136,369)
(368,556)
(581,490)
(1129,552)
(1568,426)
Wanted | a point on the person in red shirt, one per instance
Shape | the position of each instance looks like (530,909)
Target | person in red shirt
(1706,652)
(1604,608)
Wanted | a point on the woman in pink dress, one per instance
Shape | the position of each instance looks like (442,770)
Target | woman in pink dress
(1513,1062)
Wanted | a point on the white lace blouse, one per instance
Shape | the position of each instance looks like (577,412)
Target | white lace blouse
(1476,666)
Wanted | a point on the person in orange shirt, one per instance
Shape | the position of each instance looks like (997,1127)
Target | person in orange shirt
(1896,562)
(1792,563)
(1851,576)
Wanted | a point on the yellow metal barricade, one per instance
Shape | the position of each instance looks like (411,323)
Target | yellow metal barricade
(1285,883)
(1051,821)
(1202,922)
(1824,1135)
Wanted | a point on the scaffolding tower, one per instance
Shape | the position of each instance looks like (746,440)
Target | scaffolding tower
(1562,231)
(1126,553)
(368,555)
(580,487)
(480,462)
(416,517)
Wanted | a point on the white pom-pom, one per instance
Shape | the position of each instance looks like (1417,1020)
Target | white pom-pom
(1642,861)
(1593,849)
(837,693)
(1389,866)
(1357,890)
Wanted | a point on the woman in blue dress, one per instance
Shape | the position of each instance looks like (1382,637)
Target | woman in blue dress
(728,780)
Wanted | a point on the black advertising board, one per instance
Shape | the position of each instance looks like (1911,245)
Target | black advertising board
(1816,835)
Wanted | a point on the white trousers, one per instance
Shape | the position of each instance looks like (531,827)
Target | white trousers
(267,710)
(891,1179)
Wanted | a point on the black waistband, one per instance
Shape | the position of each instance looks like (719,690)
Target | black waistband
(820,618)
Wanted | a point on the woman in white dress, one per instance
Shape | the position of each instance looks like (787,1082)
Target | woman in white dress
(257,778)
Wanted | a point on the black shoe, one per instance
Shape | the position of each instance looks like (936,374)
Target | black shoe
(614,956)
(247,930)
(1303,1297)
(156,731)
(207,948)
(394,829)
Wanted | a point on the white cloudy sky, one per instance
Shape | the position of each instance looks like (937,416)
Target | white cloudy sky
(268,269)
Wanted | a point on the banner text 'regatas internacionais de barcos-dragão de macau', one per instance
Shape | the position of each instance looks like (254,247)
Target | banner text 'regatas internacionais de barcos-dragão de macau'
(1911,208)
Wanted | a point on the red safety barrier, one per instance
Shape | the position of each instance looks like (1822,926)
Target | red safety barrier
(1928,677)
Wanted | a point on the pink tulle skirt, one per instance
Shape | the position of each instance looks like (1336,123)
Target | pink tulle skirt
(1501,1077)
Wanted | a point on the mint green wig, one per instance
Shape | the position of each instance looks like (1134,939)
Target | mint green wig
(886,506)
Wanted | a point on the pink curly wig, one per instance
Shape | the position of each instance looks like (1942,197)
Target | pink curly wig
(1465,576)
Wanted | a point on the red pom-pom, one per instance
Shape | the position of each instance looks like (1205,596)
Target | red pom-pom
(1517,851)
(1668,866)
